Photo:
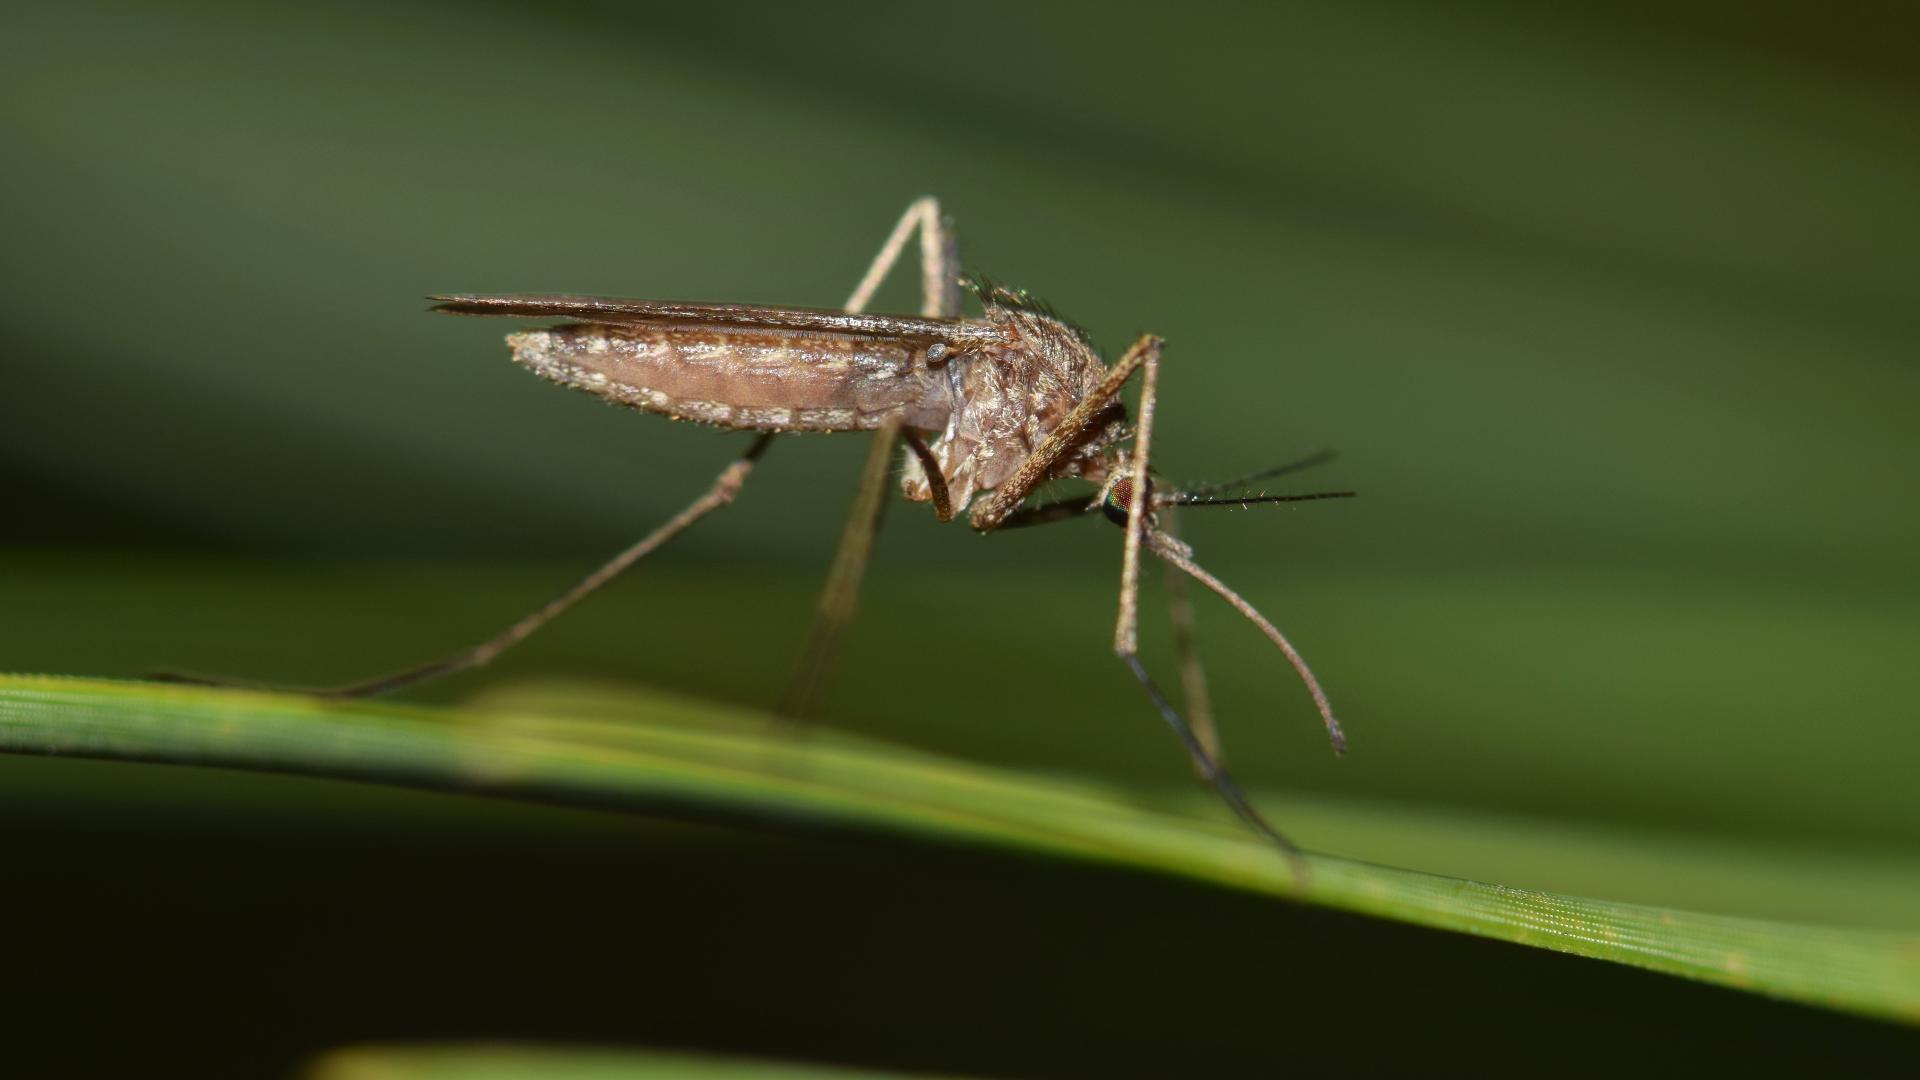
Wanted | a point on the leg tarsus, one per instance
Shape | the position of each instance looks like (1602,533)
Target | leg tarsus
(722,492)
(1214,773)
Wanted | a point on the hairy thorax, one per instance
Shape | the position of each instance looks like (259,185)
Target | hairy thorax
(1008,395)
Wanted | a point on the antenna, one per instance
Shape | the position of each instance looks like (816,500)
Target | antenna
(1189,498)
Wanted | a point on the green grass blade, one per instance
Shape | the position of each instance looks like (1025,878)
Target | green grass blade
(680,756)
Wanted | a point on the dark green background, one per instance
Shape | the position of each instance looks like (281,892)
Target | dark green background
(1610,309)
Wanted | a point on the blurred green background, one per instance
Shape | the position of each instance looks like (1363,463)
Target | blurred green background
(1610,309)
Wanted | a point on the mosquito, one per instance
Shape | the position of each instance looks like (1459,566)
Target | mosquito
(989,409)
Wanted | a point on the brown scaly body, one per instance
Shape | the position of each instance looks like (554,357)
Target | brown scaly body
(748,379)
(991,389)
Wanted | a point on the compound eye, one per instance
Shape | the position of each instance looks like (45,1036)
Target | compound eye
(1120,496)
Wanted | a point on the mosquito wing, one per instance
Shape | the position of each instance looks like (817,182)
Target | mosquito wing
(739,365)
(619,312)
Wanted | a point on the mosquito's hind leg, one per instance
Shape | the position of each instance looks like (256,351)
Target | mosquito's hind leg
(939,297)
(724,488)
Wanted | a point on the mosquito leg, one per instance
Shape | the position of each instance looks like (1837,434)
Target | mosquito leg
(1039,464)
(936,482)
(940,296)
(1126,636)
(1193,675)
(841,594)
(1212,771)
(1177,554)
(724,488)
(1126,631)
(939,261)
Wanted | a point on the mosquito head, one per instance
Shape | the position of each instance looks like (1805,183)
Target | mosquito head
(1118,498)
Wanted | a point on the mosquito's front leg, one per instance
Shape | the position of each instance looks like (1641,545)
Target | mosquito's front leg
(1126,637)
(997,507)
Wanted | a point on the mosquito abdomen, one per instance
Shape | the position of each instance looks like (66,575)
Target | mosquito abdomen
(751,379)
